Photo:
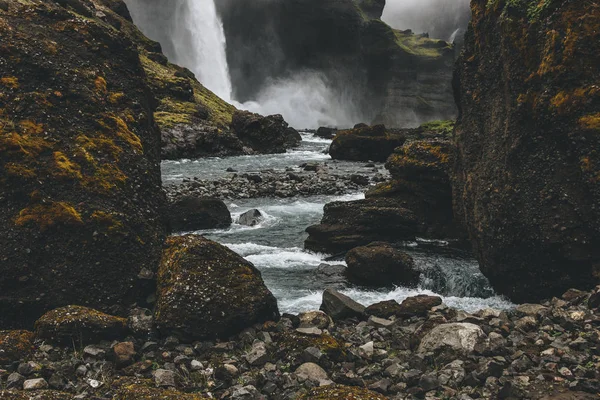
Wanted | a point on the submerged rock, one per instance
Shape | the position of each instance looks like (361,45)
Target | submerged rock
(326,133)
(250,218)
(206,291)
(365,143)
(191,213)
(526,175)
(380,264)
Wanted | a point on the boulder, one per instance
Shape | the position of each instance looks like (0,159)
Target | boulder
(192,213)
(250,218)
(81,325)
(339,306)
(526,173)
(326,133)
(346,225)
(313,373)
(80,165)
(35,384)
(384,309)
(418,306)
(365,143)
(15,346)
(317,319)
(205,290)
(380,264)
(342,392)
(264,134)
(452,339)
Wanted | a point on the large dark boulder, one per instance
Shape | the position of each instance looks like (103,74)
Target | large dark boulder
(79,162)
(365,143)
(339,306)
(207,291)
(193,213)
(380,264)
(526,176)
(264,134)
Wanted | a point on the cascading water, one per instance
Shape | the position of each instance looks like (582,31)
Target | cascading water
(191,34)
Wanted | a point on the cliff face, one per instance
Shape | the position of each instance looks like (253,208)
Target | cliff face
(79,160)
(527,172)
(392,77)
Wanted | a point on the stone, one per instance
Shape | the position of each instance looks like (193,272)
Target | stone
(365,143)
(250,218)
(367,350)
(312,372)
(265,135)
(192,213)
(258,356)
(312,354)
(380,322)
(429,382)
(380,264)
(531,309)
(418,305)
(325,132)
(35,384)
(15,346)
(15,381)
(140,321)
(457,338)
(316,319)
(312,331)
(339,306)
(384,309)
(80,325)
(165,378)
(205,291)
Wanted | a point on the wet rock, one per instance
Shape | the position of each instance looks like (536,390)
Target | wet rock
(206,290)
(417,305)
(250,218)
(326,133)
(384,309)
(191,213)
(380,264)
(264,134)
(365,143)
(15,346)
(339,306)
(80,325)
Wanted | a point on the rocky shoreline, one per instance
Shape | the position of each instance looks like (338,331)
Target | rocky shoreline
(417,349)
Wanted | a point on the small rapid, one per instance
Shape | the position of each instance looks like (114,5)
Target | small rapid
(275,245)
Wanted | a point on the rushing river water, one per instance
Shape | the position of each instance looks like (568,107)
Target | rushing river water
(275,246)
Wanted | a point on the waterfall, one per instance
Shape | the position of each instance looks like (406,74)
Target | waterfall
(192,36)
(453,36)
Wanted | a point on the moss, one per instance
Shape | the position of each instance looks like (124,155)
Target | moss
(31,127)
(420,45)
(19,170)
(65,168)
(109,223)
(10,82)
(101,144)
(100,85)
(565,102)
(27,145)
(15,346)
(442,127)
(115,124)
(591,122)
(48,215)
(144,389)
(342,393)
(168,120)
(292,344)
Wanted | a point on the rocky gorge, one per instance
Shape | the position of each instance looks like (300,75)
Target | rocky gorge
(114,284)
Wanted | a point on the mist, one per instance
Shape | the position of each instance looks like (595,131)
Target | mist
(442,19)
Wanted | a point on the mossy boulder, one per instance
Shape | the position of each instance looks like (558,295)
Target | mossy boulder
(15,346)
(342,392)
(82,325)
(380,264)
(206,290)
(79,161)
(365,143)
(527,172)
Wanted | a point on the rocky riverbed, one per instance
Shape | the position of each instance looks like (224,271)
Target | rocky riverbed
(418,349)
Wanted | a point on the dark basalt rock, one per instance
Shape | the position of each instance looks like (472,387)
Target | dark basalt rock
(380,264)
(79,162)
(384,309)
(207,291)
(264,134)
(191,213)
(365,143)
(250,218)
(417,306)
(339,306)
(528,135)
(326,133)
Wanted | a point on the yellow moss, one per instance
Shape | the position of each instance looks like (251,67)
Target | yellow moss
(31,128)
(100,84)
(564,102)
(115,124)
(10,82)
(48,215)
(107,221)
(115,97)
(19,171)
(101,145)
(66,168)
(106,178)
(31,146)
(591,121)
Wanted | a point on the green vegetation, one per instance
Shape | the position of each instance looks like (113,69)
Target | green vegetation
(442,127)
(419,45)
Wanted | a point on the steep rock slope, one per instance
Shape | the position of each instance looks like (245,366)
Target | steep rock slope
(79,160)
(527,172)
(389,76)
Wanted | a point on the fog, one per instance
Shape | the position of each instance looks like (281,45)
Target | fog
(440,18)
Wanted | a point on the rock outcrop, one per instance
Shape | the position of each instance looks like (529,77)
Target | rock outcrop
(206,291)
(365,143)
(380,264)
(390,76)
(79,160)
(527,172)
(264,134)
(191,213)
